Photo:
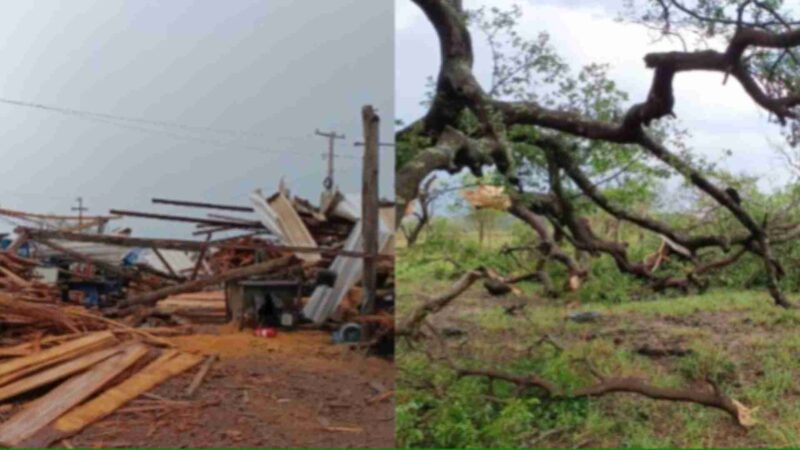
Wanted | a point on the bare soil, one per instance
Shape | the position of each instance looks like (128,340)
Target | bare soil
(294,390)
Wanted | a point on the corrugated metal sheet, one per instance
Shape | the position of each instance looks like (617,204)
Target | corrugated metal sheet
(102,252)
(181,262)
(266,215)
(325,300)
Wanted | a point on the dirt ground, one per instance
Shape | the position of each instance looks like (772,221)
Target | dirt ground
(294,390)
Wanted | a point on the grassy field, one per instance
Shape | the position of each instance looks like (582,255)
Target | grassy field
(738,338)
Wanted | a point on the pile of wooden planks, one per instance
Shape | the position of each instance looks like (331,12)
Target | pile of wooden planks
(16,275)
(205,307)
(22,321)
(89,376)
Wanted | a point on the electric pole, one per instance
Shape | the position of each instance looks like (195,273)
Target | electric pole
(370,219)
(332,136)
(80,210)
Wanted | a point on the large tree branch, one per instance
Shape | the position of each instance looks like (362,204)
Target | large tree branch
(711,396)
(457,88)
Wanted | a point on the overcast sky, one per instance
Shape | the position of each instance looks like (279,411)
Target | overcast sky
(582,31)
(280,68)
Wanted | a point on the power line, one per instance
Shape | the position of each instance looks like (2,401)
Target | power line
(162,123)
(114,120)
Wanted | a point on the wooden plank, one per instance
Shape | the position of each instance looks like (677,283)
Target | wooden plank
(200,296)
(292,226)
(200,375)
(189,303)
(242,272)
(27,348)
(16,375)
(56,373)
(155,340)
(39,413)
(165,262)
(14,278)
(203,205)
(22,214)
(215,222)
(177,244)
(166,366)
(200,257)
(69,348)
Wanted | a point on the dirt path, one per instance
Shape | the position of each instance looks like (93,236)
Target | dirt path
(295,390)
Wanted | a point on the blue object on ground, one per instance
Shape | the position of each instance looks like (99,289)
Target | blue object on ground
(348,333)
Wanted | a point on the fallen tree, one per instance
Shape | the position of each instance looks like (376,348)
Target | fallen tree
(759,38)
(561,145)
(411,327)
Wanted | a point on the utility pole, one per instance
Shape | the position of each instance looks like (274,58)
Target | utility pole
(80,210)
(370,207)
(332,136)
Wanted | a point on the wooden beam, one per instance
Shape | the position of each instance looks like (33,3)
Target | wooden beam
(150,298)
(200,257)
(370,206)
(211,231)
(226,217)
(144,215)
(186,245)
(22,214)
(165,262)
(81,257)
(165,201)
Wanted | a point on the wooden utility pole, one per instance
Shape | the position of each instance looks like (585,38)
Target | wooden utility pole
(369,206)
(332,136)
(80,210)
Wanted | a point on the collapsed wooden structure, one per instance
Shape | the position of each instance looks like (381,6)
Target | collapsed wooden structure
(73,362)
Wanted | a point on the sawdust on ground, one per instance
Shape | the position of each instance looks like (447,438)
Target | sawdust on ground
(292,390)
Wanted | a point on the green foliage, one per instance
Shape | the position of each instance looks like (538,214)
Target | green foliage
(469,412)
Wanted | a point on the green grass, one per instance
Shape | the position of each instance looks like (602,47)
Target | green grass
(737,337)
(750,347)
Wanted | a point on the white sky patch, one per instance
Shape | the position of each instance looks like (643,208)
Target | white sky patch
(718,116)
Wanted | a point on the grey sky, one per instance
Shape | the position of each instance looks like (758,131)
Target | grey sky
(278,67)
(582,31)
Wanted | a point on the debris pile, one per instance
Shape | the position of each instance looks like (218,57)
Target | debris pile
(86,315)
(17,275)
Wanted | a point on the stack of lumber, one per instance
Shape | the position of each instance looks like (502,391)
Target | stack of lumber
(31,323)
(206,307)
(80,379)
(22,321)
(16,275)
